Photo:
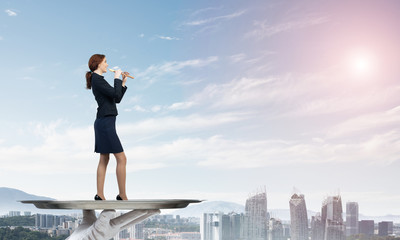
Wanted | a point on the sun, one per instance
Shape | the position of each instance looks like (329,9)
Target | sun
(362,64)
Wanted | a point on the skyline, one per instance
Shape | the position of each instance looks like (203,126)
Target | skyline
(227,96)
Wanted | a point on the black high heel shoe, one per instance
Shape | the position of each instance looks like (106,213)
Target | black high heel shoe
(97,198)
(119,197)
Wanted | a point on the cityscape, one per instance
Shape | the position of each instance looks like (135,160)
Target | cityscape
(335,221)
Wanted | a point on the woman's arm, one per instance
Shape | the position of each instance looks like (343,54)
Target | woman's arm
(100,85)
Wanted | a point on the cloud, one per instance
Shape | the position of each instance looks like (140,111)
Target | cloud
(1,38)
(215,19)
(295,95)
(168,38)
(221,153)
(237,57)
(181,105)
(11,13)
(141,35)
(156,72)
(263,29)
(158,108)
(366,123)
(193,122)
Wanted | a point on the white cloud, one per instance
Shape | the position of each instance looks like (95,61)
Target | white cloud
(263,29)
(367,123)
(1,38)
(237,57)
(168,38)
(156,108)
(155,72)
(215,19)
(11,13)
(141,35)
(181,105)
(189,123)
(221,153)
(136,108)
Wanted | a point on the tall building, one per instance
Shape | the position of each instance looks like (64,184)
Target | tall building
(219,226)
(236,225)
(385,228)
(210,226)
(276,230)
(298,218)
(366,227)
(14,213)
(317,228)
(257,219)
(351,218)
(332,219)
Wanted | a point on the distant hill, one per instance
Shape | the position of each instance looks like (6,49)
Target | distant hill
(9,201)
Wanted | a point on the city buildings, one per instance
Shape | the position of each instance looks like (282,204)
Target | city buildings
(220,226)
(276,230)
(298,217)
(385,228)
(351,218)
(256,217)
(332,219)
(366,227)
(317,228)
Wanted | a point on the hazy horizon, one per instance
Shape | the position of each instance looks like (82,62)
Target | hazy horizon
(228,96)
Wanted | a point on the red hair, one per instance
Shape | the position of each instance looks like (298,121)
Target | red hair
(94,62)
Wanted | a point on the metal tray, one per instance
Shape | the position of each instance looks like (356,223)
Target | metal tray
(113,204)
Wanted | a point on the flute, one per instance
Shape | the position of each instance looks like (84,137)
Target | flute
(112,70)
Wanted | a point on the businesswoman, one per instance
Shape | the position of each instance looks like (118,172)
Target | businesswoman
(106,138)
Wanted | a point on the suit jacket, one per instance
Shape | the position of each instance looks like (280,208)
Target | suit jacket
(106,95)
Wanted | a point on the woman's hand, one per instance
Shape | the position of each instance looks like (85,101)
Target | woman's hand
(117,73)
(124,76)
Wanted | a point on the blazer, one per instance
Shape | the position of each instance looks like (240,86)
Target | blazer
(106,95)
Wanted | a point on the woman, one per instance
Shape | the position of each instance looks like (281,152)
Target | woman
(106,138)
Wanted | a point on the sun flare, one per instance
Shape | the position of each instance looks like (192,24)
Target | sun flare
(361,64)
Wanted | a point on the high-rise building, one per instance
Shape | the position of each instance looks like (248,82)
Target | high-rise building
(351,218)
(210,226)
(276,230)
(317,228)
(332,219)
(236,225)
(138,229)
(219,226)
(366,227)
(257,219)
(385,228)
(14,213)
(298,218)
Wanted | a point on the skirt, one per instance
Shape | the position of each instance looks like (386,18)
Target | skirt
(106,138)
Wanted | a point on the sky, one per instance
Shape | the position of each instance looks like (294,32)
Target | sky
(228,97)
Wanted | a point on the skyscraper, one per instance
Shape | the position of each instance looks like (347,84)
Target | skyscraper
(219,226)
(317,228)
(298,218)
(276,231)
(210,226)
(332,219)
(351,218)
(257,217)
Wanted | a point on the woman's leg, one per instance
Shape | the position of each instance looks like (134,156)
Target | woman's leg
(101,174)
(121,174)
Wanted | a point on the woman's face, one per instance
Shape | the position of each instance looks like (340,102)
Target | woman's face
(103,65)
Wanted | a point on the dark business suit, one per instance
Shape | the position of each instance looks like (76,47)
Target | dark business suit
(107,96)
(106,138)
